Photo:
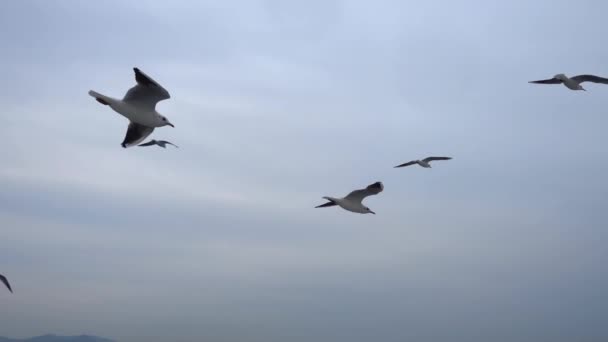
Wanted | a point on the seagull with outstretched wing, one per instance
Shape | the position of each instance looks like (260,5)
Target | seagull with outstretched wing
(574,82)
(139,106)
(426,162)
(353,201)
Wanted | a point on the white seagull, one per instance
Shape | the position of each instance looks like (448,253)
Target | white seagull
(426,162)
(574,82)
(5,281)
(139,106)
(352,201)
(161,143)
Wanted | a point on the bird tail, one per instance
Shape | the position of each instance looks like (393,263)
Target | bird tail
(104,100)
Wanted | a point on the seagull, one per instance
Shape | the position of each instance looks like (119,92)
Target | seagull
(161,143)
(573,83)
(5,281)
(352,201)
(426,162)
(139,106)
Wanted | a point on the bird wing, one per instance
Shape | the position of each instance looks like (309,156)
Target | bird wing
(359,195)
(429,159)
(149,143)
(136,133)
(168,142)
(147,93)
(407,164)
(590,78)
(328,204)
(5,281)
(548,81)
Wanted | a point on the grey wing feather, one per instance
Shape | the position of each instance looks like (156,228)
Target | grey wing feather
(5,281)
(168,142)
(370,190)
(428,159)
(590,78)
(147,92)
(407,164)
(149,143)
(136,133)
(549,81)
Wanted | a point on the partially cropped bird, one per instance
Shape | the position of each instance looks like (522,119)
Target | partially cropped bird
(574,82)
(5,281)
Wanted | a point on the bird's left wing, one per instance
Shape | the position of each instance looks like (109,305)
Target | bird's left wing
(5,281)
(590,78)
(407,164)
(549,81)
(147,93)
(359,195)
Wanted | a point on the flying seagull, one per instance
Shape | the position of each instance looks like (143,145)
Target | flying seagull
(139,106)
(5,281)
(426,162)
(573,83)
(161,143)
(352,201)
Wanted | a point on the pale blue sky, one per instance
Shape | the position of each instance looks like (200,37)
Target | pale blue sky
(277,103)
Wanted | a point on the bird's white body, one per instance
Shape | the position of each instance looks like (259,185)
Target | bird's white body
(569,83)
(350,205)
(139,114)
(423,163)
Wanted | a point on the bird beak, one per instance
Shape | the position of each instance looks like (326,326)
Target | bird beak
(170,124)
(372,212)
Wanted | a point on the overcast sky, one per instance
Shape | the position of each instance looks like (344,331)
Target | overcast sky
(276,104)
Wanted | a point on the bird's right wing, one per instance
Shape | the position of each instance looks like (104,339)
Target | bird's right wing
(147,93)
(429,159)
(149,143)
(590,78)
(5,281)
(549,81)
(168,142)
(136,133)
(359,195)
(407,164)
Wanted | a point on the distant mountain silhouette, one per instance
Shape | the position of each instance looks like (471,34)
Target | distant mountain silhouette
(55,338)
